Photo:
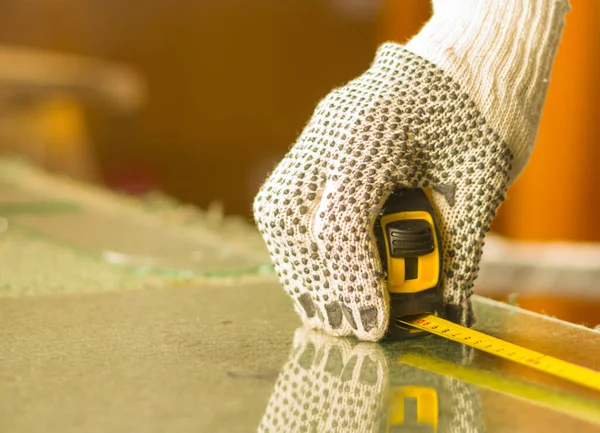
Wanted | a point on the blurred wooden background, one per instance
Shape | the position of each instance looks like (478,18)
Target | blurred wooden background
(231,83)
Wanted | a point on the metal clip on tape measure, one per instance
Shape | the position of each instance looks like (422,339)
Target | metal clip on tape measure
(410,248)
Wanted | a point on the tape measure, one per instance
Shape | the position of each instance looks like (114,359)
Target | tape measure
(548,364)
(410,248)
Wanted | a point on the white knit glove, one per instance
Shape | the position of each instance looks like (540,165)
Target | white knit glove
(456,110)
(331,385)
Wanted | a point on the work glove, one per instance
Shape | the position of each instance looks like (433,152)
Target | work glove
(332,385)
(456,110)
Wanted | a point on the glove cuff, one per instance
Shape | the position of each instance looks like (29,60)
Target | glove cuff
(501,52)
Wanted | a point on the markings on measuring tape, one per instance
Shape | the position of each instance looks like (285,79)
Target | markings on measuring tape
(548,364)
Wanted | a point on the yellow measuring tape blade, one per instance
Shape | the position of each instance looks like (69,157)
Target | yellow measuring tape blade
(444,328)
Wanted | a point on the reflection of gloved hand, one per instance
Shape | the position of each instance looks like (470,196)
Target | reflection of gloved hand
(329,385)
(457,110)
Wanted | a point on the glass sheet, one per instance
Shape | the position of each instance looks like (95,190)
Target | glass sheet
(231,357)
(124,231)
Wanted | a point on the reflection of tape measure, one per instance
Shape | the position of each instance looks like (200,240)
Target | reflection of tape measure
(424,416)
(411,252)
(569,404)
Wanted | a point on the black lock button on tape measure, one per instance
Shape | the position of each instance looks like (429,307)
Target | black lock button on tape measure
(410,247)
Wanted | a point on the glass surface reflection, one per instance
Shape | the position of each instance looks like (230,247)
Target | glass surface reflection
(429,384)
(337,385)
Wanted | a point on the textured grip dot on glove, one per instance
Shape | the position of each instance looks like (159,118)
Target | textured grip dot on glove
(404,123)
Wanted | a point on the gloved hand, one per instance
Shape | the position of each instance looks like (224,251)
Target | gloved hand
(455,110)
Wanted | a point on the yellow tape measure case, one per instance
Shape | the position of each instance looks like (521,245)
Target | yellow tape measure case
(410,248)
